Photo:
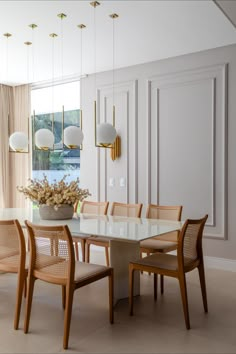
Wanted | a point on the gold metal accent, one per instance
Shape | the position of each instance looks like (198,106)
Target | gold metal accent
(116,149)
(62,126)
(104,145)
(33,25)
(53,35)
(95,122)
(73,146)
(81,26)
(27,43)
(81,126)
(62,16)
(114,15)
(95,3)
(33,131)
(7,35)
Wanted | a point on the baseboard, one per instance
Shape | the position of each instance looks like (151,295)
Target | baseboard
(220,263)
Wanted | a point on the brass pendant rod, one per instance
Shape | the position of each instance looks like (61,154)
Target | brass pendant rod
(63,126)
(95,122)
(81,126)
(33,130)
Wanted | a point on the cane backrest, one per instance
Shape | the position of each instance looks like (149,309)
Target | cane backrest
(59,265)
(12,245)
(129,210)
(12,258)
(164,212)
(90,207)
(190,240)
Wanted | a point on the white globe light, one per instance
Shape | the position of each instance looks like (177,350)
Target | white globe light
(44,139)
(18,141)
(73,137)
(106,134)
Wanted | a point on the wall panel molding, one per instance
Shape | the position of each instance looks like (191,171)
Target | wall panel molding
(125,100)
(162,92)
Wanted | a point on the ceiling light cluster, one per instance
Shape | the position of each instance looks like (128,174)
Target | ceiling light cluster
(72,136)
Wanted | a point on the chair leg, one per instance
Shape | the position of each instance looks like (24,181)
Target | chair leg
(19,294)
(107,256)
(63,293)
(87,252)
(31,282)
(155,286)
(67,318)
(25,287)
(83,242)
(162,284)
(141,256)
(111,296)
(76,250)
(131,289)
(183,290)
(203,285)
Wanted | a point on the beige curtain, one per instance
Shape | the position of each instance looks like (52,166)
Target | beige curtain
(6,100)
(20,162)
(15,166)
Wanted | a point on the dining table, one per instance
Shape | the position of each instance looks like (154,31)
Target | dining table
(124,235)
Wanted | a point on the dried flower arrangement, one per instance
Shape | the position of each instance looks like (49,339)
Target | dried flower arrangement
(56,194)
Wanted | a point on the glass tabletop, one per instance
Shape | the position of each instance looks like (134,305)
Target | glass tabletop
(113,227)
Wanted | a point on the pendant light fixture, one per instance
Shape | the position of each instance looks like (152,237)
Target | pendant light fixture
(44,138)
(18,141)
(105,133)
(73,135)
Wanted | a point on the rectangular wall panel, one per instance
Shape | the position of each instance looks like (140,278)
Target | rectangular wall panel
(187,147)
(118,179)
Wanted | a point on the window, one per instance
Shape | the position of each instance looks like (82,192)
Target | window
(55,164)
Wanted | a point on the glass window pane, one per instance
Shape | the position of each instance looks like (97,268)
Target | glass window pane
(55,164)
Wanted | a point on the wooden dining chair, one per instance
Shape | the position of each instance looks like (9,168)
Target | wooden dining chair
(62,270)
(163,243)
(117,209)
(88,207)
(189,256)
(12,258)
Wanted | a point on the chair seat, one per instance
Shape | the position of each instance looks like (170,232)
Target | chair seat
(83,271)
(161,261)
(86,270)
(158,245)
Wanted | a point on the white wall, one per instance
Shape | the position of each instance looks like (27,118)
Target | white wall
(176,119)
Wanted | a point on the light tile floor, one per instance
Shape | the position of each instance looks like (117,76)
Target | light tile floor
(155,327)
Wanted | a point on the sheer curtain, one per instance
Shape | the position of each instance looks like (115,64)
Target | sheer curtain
(6,100)
(15,167)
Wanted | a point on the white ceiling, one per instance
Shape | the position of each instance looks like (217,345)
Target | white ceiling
(145,31)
